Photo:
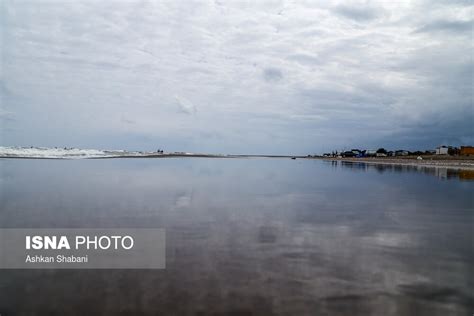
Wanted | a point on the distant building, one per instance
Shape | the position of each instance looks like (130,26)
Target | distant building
(402,153)
(370,153)
(466,150)
(348,154)
(442,150)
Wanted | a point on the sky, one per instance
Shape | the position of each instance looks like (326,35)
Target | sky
(274,77)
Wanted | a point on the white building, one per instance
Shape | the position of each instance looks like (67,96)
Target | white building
(442,150)
(370,152)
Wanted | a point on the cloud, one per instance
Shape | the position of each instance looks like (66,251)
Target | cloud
(127,121)
(272,77)
(272,74)
(304,59)
(6,115)
(358,13)
(447,26)
(185,106)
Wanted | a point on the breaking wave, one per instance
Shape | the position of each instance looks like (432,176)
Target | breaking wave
(65,153)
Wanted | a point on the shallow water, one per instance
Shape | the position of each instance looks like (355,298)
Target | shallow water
(249,237)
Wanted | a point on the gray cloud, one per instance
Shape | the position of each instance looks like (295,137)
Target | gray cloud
(185,106)
(304,59)
(272,74)
(447,26)
(272,77)
(128,121)
(358,12)
(5,115)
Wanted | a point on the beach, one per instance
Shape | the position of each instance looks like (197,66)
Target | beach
(460,163)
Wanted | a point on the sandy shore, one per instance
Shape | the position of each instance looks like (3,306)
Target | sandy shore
(452,163)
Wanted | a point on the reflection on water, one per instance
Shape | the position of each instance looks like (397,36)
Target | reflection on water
(249,237)
(440,172)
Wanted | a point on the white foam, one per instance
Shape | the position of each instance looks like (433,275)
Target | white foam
(64,153)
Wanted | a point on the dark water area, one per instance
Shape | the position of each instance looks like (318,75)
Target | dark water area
(249,237)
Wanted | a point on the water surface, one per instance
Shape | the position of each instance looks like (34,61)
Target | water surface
(249,237)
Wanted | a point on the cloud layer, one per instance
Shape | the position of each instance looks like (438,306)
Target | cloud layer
(236,76)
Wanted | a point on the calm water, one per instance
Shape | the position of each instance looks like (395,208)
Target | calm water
(249,237)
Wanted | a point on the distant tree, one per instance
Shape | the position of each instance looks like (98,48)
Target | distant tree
(453,151)
(381,151)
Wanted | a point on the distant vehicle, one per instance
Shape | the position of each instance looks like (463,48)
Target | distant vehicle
(348,154)
(402,153)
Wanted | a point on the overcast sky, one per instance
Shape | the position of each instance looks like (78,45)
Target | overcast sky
(236,77)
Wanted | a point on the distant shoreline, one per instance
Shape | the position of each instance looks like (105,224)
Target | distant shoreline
(458,162)
(451,163)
